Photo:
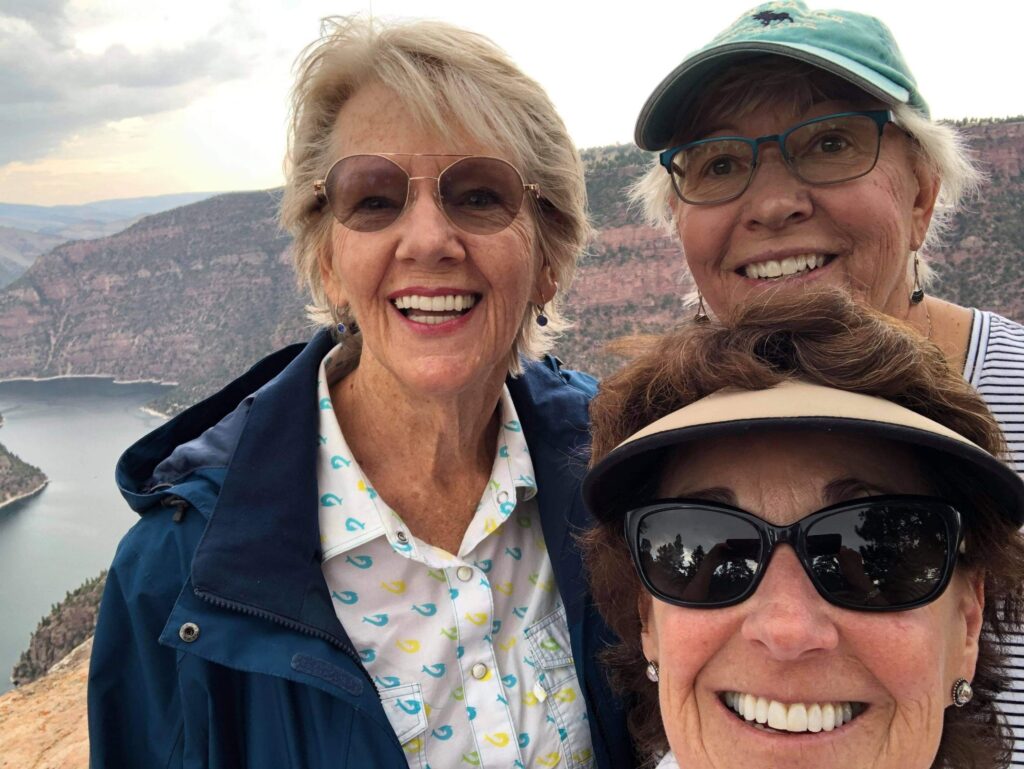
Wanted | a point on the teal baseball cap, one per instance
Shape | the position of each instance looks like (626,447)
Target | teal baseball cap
(853,46)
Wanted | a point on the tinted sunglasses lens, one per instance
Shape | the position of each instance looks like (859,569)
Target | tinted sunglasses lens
(880,555)
(367,192)
(481,195)
(693,555)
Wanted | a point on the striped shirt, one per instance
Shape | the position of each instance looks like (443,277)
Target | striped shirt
(995,367)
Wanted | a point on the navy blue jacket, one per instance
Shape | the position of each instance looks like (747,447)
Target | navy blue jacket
(217,643)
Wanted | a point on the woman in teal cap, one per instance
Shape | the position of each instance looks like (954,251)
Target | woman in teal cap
(797,152)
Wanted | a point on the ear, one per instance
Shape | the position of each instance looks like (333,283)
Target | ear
(972,610)
(928,184)
(545,287)
(328,277)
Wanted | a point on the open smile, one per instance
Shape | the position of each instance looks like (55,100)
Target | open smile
(799,717)
(774,269)
(435,310)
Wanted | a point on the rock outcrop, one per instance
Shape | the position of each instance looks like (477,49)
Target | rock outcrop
(68,624)
(43,724)
(18,479)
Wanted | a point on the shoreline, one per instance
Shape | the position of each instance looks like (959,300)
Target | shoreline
(154,413)
(113,379)
(26,495)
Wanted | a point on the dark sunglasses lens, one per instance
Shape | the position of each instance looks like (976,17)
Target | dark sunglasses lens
(481,195)
(697,555)
(880,555)
(367,192)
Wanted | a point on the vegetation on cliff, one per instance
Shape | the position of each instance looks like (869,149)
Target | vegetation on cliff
(68,624)
(18,478)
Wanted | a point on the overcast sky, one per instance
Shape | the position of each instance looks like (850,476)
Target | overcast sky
(121,98)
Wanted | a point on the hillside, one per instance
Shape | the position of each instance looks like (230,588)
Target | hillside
(196,294)
(18,479)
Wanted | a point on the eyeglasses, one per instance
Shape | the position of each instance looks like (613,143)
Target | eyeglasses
(368,193)
(885,553)
(825,150)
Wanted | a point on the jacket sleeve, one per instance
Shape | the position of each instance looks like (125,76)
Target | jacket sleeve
(135,714)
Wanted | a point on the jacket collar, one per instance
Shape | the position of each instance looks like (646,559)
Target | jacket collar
(261,550)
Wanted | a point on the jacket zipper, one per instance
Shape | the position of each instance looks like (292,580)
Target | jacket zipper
(290,624)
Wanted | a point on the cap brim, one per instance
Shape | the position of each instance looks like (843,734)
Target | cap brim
(790,405)
(660,115)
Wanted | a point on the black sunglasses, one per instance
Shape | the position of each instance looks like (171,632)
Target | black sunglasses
(885,553)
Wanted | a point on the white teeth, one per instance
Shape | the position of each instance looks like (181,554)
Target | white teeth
(791,265)
(432,320)
(448,302)
(777,715)
(814,718)
(828,717)
(761,716)
(749,706)
(795,717)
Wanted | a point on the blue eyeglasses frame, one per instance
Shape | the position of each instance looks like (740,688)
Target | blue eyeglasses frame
(881,118)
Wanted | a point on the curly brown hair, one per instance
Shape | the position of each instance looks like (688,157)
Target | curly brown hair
(825,339)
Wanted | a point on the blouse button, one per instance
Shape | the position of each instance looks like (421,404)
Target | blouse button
(479,671)
(465,573)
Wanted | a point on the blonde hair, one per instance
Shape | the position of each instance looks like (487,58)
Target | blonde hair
(780,81)
(438,71)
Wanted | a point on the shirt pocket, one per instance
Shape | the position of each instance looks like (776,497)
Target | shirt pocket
(558,686)
(403,705)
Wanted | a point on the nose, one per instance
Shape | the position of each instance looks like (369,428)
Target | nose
(425,234)
(786,615)
(776,196)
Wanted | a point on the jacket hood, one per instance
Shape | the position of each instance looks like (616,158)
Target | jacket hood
(204,435)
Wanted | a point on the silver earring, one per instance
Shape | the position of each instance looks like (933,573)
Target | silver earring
(917,295)
(702,314)
(962,692)
(652,672)
(542,319)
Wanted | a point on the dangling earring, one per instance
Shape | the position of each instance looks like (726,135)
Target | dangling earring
(962,692)
(917,295)
(702,314)
(542,319)
(652,672)
(340,336)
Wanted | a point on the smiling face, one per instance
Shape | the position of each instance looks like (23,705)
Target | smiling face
(785,651)
(438,307)
(785,234)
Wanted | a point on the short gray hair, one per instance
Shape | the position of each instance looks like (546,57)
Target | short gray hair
(438,70)
(774,80)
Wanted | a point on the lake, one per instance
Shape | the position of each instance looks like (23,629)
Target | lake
(74,429)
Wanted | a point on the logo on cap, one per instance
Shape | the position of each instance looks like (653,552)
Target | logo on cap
(768,18)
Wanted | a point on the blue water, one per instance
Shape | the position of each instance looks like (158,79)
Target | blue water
(74,430)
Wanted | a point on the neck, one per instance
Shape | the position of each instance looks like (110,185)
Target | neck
(946,325)
(394,431)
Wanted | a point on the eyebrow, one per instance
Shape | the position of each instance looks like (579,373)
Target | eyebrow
(851,487)
(714,494)
(839,490)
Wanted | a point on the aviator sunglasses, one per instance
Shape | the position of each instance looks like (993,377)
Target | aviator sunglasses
(883,553)
(477,194)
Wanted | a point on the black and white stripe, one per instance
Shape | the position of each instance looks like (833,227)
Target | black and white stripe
(995,366)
